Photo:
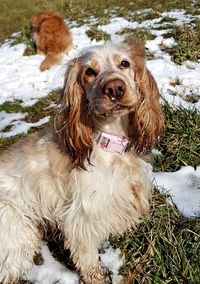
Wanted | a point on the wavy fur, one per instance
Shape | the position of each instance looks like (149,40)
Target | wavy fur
(74,122)
(42,180)
(146,122)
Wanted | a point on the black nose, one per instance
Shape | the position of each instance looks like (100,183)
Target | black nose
(114,89)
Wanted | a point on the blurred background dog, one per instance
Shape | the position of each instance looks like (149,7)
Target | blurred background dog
(52,37)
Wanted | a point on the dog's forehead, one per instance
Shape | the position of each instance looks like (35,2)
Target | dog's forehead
(104,54)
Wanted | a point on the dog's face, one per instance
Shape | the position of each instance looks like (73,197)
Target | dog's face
(107,78)
(108,81)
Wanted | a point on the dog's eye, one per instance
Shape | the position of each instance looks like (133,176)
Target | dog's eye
(90,72)
(125,64)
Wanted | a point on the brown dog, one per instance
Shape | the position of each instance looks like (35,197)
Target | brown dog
(51,36)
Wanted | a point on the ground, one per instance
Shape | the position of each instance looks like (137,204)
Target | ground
(165,248)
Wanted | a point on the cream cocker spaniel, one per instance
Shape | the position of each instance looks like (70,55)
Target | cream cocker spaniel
(86,177)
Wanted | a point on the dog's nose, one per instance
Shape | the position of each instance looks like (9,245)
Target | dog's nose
(114,89)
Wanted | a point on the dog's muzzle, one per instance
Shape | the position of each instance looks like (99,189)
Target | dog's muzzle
(114,89)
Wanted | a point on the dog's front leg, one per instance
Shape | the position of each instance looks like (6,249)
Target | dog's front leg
(86,258)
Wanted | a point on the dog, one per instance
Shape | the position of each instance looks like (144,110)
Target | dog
(51,36)
(86,176)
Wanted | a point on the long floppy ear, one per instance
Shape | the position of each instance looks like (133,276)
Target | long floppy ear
(74,122)
(147,121)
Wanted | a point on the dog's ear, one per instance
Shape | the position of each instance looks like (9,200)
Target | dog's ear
(147,121)
(74,122)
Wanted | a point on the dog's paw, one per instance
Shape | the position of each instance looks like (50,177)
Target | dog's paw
(96,276)
(107,276)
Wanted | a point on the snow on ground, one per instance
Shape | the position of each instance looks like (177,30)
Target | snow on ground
(22,81)
(14,120)
(183,187)
(111,260)
(51,271)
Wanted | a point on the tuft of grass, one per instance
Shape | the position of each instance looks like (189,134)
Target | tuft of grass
(43,107)
(164,249)
(166,20)
(150,15)
(5,143)
(95,33)
(180,144)
(25,37)
(187,43)
(104,20)
(39,110)
(12,107)
(142,33)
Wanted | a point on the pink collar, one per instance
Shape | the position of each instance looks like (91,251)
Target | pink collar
(112,143)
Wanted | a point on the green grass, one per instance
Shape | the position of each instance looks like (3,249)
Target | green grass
(180,145)
(95,33)
(187,39)
(25,37)
(142,33)
(16,14)
(165,248)
(152,14)
(5,143)
(40,109)
(166,20)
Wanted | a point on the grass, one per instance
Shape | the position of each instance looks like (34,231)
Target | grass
(180,145)
(143,34)
(5,143)
(165,248)
(16,14)
(95,33)
(39,110)
(25,37)
(187,39)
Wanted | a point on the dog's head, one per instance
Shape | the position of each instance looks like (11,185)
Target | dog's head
(38,19)
(108,81)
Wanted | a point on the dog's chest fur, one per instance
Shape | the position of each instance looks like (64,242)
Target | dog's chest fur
(110,197)
(112,194)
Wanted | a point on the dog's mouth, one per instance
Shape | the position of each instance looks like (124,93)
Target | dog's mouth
(117,109)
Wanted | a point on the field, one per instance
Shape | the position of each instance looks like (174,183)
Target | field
(166,247)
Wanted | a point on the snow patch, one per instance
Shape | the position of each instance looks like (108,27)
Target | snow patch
(183,187)
(51,271)
(17,126)
(112,261)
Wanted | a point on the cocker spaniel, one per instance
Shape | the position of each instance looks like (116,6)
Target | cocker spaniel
(87,177)
(51,36)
